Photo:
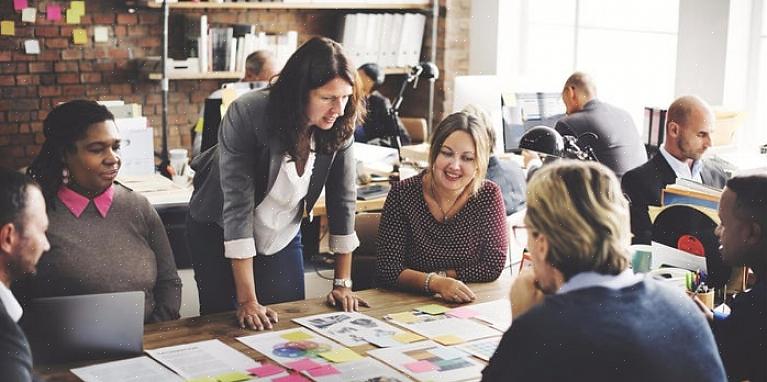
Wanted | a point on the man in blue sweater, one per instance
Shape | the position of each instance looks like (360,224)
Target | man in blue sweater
(580,313)
(742,232)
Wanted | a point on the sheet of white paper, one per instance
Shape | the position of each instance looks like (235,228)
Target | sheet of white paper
(465,329)
(364,370)
(348,328)
(139,369)
(482,349)
(446,370)
(202,359)
(495,313)
(282,348)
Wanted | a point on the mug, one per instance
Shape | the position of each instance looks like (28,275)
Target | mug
(642,258)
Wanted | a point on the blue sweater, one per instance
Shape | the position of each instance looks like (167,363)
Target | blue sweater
(644,332)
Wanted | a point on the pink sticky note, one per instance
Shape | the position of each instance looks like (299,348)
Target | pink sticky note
(290,378)
(462,312)
(53,12)
(324,370)
(19,4)
(266,370)
(303,364)
(420,366)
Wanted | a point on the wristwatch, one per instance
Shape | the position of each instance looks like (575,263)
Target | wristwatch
(346,283)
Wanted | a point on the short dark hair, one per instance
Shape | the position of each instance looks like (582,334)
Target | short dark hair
(254,63)
(314,64)
(65,124)
(375,73)
(14,188)
(751,197)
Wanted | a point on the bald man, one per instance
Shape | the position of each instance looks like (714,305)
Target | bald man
(688,135)
(619,146)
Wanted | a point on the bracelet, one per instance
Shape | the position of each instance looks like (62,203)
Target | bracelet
(426,282)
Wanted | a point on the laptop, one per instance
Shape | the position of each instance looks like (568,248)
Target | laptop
(85,327)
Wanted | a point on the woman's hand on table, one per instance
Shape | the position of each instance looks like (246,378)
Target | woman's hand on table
(345,299)
(253,315)
(451,290)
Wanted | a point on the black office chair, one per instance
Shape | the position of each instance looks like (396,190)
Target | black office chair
(211,120)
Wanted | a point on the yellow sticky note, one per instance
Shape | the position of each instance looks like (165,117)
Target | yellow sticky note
(340,355)
(433,309)
(448,340)
(406,337)
(233,377)
(404,317)
(80,36)
(7,28)
(73,17)
(77,6)
(296,336)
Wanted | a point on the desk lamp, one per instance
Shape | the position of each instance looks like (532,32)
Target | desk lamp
(547,141)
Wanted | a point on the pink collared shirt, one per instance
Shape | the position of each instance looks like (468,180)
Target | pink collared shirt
(77,203)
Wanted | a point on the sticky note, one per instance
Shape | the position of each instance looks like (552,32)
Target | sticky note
(80,36)
(28,15)
(73,17)
(420,366)
(404,317)
(100,34)
(296,336)
(290,378)
(53,12)
(407,337)
(340,355)
(19,4)
(235,376)
(448,339)
(266,370)
(78,6)
(303,364)
(32,46)
(432,309)
(323,371)
(7,28)
(462,312)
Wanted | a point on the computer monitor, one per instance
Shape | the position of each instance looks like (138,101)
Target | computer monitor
(484,92)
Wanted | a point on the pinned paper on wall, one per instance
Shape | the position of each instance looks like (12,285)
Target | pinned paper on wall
(7,28)
(80,36)
(78,6)
(73,17)
(32,46)
(19,4)
(100,34)
(28,15)
(53,12)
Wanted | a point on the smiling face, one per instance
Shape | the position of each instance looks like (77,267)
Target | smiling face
(94,163)
(455,166)
(327,103)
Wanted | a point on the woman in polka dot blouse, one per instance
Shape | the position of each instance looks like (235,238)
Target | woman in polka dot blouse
(447,225)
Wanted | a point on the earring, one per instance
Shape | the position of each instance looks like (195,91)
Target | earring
(65,175)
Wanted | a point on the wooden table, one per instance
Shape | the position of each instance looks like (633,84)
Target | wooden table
(222,326)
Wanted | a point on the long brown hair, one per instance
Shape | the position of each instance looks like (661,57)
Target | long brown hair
(315,63)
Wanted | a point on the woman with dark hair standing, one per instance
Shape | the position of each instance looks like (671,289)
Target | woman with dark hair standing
(276,150)
(104,237)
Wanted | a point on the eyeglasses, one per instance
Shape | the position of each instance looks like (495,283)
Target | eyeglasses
(520,234)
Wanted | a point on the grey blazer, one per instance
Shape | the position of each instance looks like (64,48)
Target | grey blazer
(235,176)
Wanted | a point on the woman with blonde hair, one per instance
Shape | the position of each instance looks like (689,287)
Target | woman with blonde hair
(580,312)
(447,225)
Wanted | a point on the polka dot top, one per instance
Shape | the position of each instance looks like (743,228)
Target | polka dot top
(474,242)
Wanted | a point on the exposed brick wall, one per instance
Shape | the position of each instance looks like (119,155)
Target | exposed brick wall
(31,84)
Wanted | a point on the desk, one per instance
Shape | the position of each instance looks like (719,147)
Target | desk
(222,326)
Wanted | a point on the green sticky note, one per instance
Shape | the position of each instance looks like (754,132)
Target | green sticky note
(296,336)
(80,36)
(7,28)
(340,355)
(433,309)
(235,376)
(404,317)
(78,6)
(449,339)
(406,337)
(73,17)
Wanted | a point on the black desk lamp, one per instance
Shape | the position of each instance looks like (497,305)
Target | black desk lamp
(545,140)
(426,70)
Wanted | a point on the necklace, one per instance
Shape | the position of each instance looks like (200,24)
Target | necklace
(439,205)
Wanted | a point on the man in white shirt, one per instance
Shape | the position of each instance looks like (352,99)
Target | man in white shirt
(688,135)
(23,223)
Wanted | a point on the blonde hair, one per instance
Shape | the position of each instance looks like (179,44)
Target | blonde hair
(471,125)
(581,209)
(485,121)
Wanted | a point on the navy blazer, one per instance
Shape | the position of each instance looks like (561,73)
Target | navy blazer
(642,187)
(15,356)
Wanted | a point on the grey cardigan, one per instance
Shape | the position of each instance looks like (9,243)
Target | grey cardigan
(235,176)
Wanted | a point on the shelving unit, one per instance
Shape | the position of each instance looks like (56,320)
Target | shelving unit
(430,7)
